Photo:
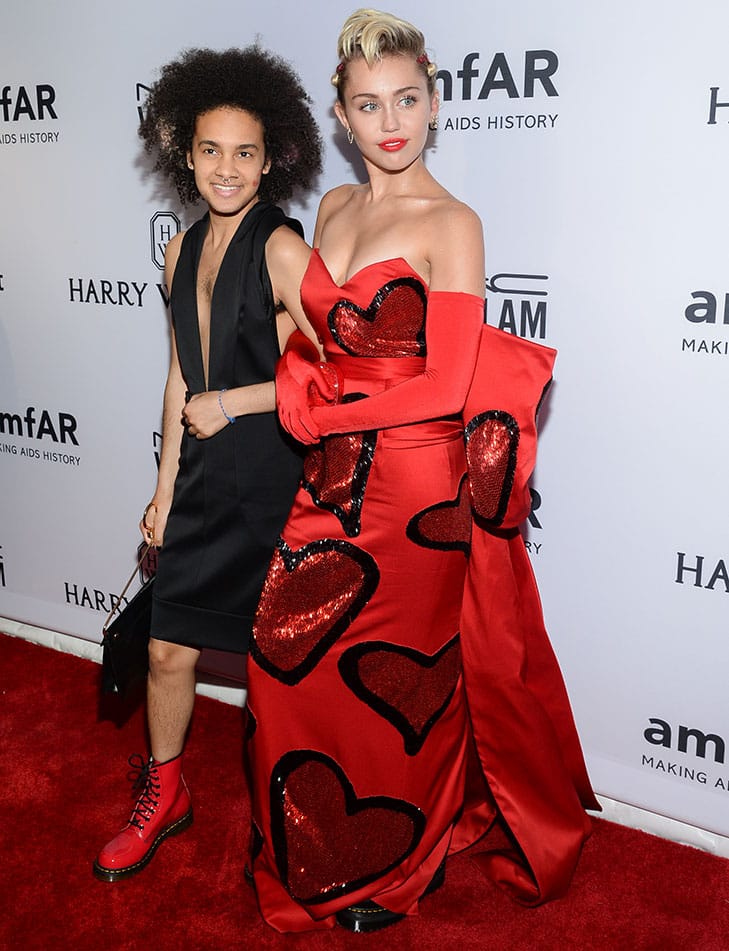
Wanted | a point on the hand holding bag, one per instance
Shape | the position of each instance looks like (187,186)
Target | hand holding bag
(126,637)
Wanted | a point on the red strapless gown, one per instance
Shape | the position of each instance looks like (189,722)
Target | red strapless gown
(399,623)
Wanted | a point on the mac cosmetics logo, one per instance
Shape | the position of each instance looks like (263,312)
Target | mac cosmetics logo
(515,307)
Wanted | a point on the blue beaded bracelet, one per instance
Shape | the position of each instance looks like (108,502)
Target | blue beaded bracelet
(231,419)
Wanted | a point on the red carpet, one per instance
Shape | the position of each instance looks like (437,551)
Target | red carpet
(64,792)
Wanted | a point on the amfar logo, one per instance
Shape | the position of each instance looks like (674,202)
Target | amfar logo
(28,104)
(705,308)
(163,226)
(58,427)
(501,78)
(714,104)
(661,734)
(686,740)
(31,102)
(712,576)
(539,67)
(517,314)
(709,309)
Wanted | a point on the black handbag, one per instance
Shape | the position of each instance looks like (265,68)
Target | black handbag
(126,638)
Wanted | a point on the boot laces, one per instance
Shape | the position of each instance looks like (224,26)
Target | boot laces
(145,776)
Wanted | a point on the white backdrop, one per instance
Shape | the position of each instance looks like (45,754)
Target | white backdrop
(593,142)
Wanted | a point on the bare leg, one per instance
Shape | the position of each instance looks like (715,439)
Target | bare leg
(170,696)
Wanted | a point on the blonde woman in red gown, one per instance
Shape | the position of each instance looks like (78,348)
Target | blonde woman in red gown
(403,696)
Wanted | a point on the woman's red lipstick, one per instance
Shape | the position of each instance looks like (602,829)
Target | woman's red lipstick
(393,145)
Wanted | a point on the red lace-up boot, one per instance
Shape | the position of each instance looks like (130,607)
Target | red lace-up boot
(163,808)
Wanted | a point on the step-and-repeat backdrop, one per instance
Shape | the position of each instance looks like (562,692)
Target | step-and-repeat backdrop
(593,140)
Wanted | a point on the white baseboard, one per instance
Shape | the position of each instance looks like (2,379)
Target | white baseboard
(663,826)
(213,687)
(620,812)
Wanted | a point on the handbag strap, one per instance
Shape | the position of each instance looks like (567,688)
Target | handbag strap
(132,576)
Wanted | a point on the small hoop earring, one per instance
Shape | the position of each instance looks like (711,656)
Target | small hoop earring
(433,124)
(350,136)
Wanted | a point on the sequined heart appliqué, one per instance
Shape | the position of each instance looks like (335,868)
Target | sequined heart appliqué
(492,440)
(327,842)
(336,473)
(408,688)
(445,526)
(310,598)
(392,326)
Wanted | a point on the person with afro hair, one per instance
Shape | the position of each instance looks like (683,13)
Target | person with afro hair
(235,130)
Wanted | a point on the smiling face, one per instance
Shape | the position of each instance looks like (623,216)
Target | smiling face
(387,106)
(228,156)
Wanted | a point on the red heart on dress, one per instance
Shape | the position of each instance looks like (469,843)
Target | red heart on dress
(327,842)
(408,688)
(310,598)
(492,439)
(445,526)
(392,326)
(336,473)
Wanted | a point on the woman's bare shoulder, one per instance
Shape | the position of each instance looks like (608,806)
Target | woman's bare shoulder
(336,197)
(455,215)
(455,247)
(331,204)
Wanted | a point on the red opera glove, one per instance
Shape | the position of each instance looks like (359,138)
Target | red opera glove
(303,381)
(452,332)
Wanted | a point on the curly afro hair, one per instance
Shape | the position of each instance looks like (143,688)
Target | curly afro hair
(252,79)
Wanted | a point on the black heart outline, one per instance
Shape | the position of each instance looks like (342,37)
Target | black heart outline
(507,421)
(351,522)
(349,669)
(370,314)
(291,560)
(415,535)
(250,723)
(256,842)
(283,769)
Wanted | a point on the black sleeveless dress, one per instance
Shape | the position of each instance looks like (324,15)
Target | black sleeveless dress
(233,491)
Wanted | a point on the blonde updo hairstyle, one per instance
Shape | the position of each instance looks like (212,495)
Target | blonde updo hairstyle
(372,34)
